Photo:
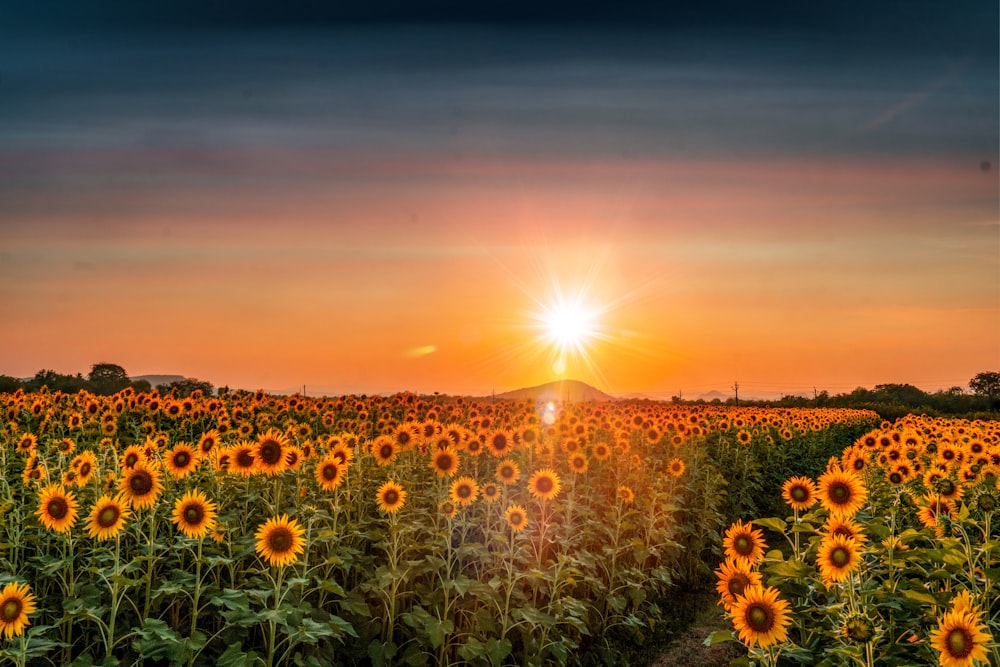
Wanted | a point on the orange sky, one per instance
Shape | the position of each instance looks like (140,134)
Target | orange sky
(389,210)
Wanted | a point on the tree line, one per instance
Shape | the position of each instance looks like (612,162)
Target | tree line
(895,400)
(104,379)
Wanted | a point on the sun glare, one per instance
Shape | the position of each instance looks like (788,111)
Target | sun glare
(569,325)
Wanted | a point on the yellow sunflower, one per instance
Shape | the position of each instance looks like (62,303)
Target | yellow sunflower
(676,467)
(391,497)
(760,618)
(743,543)
(579,463)
(841,493)
(464,491)
(108,516)
(141,485)
(84,465)
(280,541)
(799,493)
(194,514)
(544,484)
(242,461)
(499,443)
(507,472)
(384,449)
(209,440)
(270,452)
(490,492)
(57,508)
(601,451)
(132,455)
(734,578)
(517,518)
(961,639)
(838,557)
(444,462)
(330,472)
(845,528)
(626,494)
(16,603)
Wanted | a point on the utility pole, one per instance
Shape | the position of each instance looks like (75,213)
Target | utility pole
(736,388)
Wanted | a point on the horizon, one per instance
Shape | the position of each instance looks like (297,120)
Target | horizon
(385,199)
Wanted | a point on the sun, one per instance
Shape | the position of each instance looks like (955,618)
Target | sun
(570,325)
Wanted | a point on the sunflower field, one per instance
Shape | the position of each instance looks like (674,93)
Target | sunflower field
(891,556)
(250,529)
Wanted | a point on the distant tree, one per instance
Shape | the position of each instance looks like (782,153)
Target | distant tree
(141,386)
(186,387)
(107,379)
(986,384)
(53,381)
(8,384)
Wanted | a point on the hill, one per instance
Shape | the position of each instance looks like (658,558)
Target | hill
(572,391)
(156,380)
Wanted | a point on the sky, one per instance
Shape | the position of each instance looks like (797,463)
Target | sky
(389,196)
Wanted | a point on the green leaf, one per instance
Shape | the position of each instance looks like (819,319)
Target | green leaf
(719,636)
(772,523)
(234,656)
(917,596)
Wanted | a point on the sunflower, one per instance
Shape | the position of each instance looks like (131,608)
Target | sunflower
(464,491)
(84,465)
(132,455)
(799,493)
(280,541)
(181,460)
(931,508)
(194,514)
(838,557)
(384,449)
(841,493)
(544,484)
(57,508)
(330,472)
(27,443)
(448,509)
(242,460)
(108,516)
(744,544)
(270,452)
(601,451)
(499,443)
(66,446)
(141,485)
(16,602)
(759,617)
(961,639)
(343,451)
(490,492)
(209,440)
(517,518)
(444,462)
(734,578)
(675,467)
(579,463)
(948,489)
(391,497)
(845,528)
(626,494)
(507,472)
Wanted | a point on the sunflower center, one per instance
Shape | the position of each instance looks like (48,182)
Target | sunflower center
(10,611)
(799,494)
(895,478)
(244,459)
(859,464)
(84,469)
(181,459)
(840,493)
(193,514)
(330,472)
(516,518)
(737,584)
(500,442)
(270,452)
(141,483)
(840,557)
(108,517)
(390,497)
(959,643)
(946,487)
(506,472)
(131,460)
(463,491)
(743,545)
(57,507)
(544,484)
(385,452)
(280,540)
(759,618)
(444,461)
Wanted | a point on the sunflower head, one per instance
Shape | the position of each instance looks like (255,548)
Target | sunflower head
(744,543)
(799,493)
(464,491)
(391,497)
(280,541)
(16,603)
(517,518)
(759,617)
(57,508)
(194,514)
(961,639)
(544,484)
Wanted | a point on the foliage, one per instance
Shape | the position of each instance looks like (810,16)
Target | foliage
(439,580)
(926,544)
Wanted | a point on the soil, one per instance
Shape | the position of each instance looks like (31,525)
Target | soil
(688,648)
